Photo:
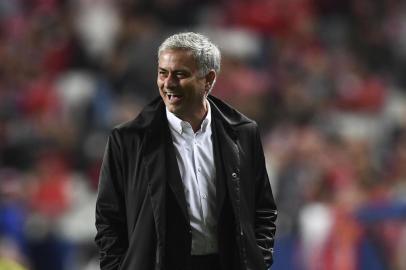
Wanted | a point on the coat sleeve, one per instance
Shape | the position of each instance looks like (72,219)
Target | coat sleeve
(265,208)
(111,237)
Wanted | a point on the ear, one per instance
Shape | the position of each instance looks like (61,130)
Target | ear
(210,79)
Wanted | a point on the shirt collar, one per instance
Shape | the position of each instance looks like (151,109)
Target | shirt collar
(179,125)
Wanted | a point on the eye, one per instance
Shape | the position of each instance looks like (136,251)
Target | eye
(181,74)
(162,73)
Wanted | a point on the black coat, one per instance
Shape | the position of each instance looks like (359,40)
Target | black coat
(141,216)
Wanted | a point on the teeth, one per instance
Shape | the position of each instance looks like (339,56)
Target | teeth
(171,95)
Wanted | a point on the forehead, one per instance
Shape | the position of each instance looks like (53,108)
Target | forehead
(177,59)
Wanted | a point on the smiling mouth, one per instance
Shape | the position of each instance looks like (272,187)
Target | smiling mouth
(173,96)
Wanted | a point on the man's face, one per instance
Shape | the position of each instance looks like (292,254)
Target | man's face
(180,85)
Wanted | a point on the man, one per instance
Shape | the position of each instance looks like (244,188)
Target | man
(184,185)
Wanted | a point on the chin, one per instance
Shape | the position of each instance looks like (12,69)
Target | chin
(176,111)
(172,109)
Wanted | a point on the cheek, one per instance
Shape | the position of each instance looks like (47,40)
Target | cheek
(159,83)
(193,87)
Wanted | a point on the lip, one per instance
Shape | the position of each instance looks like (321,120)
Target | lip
(172,93)
(168,93)
(173,97)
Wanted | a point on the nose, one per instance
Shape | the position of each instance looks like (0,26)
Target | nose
(170,81)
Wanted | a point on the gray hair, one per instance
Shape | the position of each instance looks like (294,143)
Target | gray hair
(207,55)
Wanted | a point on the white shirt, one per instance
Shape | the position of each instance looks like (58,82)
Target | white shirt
(194,154)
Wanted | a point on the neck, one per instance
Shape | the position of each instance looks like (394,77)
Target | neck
(196,119)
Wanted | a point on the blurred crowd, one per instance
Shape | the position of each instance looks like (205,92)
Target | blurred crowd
(323,78)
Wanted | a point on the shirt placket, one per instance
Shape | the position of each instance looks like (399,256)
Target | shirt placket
(202,184)
(197,174)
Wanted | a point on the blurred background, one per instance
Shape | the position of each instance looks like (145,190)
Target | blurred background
(325,80)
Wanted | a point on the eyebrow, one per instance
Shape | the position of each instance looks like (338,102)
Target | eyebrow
(176,70)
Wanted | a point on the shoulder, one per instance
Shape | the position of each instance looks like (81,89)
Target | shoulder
(230,115)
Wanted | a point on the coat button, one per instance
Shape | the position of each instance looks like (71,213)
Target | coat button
(234,175)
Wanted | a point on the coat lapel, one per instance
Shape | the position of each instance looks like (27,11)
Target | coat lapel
(173,176)
(220,176)
(161,166)
(227,158)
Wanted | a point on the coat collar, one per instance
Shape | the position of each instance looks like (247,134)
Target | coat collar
(153,114)
(228,115)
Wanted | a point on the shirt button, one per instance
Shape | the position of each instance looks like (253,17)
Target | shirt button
(234,175)
(204,196)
